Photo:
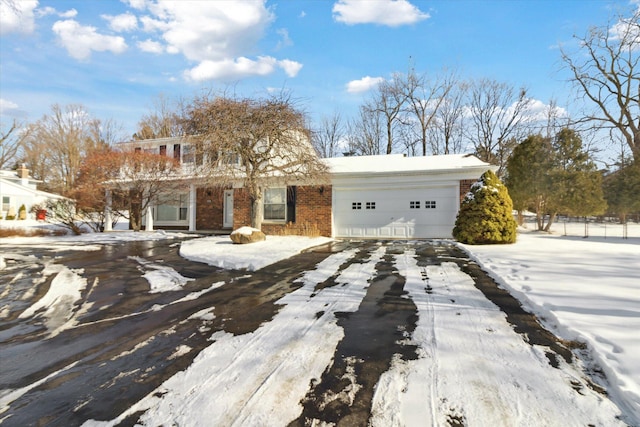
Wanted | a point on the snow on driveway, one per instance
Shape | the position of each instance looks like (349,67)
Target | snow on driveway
(473,369)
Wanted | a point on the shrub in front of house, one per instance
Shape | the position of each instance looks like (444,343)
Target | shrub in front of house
(22,212)
(486,214)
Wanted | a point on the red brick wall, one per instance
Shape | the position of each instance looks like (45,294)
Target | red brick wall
(313,212)
(209,208)
(241,208)
(465,187)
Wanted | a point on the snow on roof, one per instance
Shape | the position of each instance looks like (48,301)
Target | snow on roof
(394,163)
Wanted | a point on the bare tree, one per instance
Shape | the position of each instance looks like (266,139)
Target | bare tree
(327,139)
(257,142)
(162,122)
(55,145)
(424,97)
(389,101)
(447,133)
(365,133)
(497,115)
(605,71)
(11,142)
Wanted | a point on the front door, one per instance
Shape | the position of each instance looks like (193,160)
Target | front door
(227,221)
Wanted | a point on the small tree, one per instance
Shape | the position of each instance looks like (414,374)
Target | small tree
(486,214)
(143,178)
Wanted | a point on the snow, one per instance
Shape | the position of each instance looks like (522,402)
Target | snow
(582,289)
(245,231)
(220,251)
(394,163)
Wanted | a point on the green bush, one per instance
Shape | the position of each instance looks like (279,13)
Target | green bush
(486,214)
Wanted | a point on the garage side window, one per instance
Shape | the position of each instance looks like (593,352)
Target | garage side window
(370,205)
(275,204)
(356,205)
(430,204)
(414,204)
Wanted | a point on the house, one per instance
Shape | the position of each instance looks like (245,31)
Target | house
(17,188)
(386,196)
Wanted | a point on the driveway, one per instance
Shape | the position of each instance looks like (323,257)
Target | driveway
(350,333)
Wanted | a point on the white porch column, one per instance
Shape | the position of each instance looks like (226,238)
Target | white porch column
(192,207)
(107,211)
(148,225)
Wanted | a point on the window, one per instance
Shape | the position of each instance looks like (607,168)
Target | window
(370,205)
(176,151)
(188,154)
(414,205)
(6,203)
(163,150)
(356,205)
(275,204)
(430,204)
(172,208)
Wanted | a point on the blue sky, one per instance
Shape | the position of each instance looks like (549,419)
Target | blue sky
(116,57)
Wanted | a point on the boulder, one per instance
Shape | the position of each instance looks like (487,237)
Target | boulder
(247,235)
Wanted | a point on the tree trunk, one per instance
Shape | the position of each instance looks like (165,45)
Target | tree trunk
(256,210)
(135,210)
(552,217)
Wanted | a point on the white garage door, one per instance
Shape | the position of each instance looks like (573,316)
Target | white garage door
(395,213)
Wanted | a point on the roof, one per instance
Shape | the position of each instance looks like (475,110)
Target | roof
(399,163)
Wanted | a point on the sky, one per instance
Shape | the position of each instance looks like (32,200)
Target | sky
(116,58)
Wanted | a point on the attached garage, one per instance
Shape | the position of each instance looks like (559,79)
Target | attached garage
(396,213)
(399,197)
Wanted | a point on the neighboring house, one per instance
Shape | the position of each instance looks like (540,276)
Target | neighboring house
(386,196)
(17,189)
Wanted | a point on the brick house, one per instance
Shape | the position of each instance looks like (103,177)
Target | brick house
(387,196)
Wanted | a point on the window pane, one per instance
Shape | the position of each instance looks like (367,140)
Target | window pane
(275,204)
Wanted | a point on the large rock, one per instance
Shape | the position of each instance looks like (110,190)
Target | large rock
(247,235)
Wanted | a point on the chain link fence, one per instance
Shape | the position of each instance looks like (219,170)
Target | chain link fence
(590,227)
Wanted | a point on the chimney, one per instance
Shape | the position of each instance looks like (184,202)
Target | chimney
(23,172)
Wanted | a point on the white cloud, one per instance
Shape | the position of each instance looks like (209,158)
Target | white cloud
(364,84)
(122,22)
(392,13)
(291,68)
(150,25)
(151,46)
(231,69)
(48,10)
(17,16)
(71,13)
(80,41)
(136,4)
(7,106)
(209,30)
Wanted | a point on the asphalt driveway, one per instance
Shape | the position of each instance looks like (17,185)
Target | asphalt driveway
(94,359)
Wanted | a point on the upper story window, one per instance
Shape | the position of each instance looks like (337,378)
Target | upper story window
(188,154)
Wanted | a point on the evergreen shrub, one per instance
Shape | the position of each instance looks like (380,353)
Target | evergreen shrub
(486,214)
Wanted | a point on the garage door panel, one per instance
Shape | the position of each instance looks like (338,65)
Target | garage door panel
(396,213)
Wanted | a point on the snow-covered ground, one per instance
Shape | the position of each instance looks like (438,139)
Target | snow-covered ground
(582,289)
